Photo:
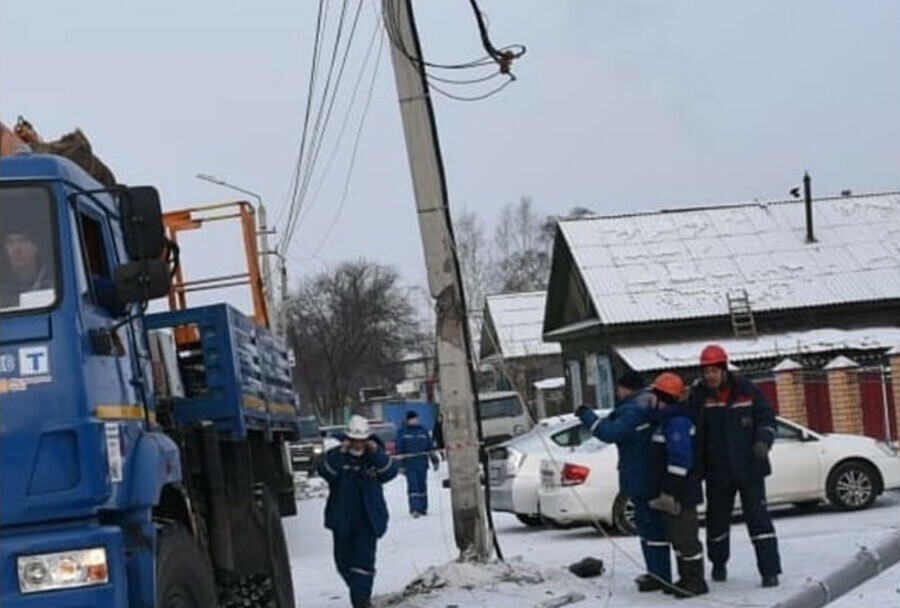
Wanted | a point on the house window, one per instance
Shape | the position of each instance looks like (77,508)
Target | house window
(574,367)
(603,382)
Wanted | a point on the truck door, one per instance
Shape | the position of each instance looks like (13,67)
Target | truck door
(108,369)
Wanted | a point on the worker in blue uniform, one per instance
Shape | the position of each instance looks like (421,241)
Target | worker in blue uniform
(356,512)
(676,482)
(415,448)
(630,426)
(736,428)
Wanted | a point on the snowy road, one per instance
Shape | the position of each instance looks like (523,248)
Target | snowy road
(811,545)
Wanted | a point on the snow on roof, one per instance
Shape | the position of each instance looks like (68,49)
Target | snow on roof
(519,321)
(550,383)
(894,351)
(681,264)
(841,362)
(686,354)
(788,365)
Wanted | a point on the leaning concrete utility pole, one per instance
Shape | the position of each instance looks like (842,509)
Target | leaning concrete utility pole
(444,282)
(865,564)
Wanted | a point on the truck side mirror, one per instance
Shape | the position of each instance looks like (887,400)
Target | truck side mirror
(142,281)
(142,222)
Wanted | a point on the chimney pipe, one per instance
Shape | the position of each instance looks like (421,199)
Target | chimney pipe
(807,200)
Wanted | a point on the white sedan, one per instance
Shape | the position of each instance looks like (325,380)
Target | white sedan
(848,471)
(514,469)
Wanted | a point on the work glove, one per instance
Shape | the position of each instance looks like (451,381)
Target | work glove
(761,449)
(666,503)
(434,462)
(580,410)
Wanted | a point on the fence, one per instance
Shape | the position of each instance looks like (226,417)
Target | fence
(842,397)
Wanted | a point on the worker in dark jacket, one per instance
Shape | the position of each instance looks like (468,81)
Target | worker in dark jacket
(675,479)
(414,449)
(356,512)
(736,428)
(629,426)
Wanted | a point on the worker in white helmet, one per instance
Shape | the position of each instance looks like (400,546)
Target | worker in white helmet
(356,512)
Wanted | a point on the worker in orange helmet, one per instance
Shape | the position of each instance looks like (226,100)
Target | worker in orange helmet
(736,428)
(676,480)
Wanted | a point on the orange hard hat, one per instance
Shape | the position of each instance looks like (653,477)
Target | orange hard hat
(713,355)
(670,384)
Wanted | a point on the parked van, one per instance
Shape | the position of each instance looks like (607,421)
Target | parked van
(503,416)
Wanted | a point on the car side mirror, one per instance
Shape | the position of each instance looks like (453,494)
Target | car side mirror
(808,437)
(142,222)
(142,281)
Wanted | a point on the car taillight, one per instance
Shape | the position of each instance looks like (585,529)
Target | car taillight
(574,474)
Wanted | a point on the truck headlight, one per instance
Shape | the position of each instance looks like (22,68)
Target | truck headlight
(318,450)
(63,570)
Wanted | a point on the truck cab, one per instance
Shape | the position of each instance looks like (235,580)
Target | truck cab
(97,493)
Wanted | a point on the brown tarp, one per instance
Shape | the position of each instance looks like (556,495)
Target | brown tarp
(74,146)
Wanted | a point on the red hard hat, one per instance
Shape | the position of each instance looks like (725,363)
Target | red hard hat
(669,383)
(713,355)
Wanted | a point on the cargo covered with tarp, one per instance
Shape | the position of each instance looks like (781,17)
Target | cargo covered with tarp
(74,146)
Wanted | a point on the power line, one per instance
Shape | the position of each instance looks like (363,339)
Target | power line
(346,121)
(490,93)
(298,198)
(353,154)
(311,166)
(314,64)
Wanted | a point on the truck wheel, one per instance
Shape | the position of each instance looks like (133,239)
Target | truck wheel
(623,515)
(279,561)
(275,590)
(184,576)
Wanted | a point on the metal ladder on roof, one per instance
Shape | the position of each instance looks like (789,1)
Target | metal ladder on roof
(742,321)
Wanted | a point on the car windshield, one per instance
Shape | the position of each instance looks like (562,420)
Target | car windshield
(27,259)
(309,428)
(507,407)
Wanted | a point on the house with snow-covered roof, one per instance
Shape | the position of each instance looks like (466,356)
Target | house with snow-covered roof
(513,347)
(802,279)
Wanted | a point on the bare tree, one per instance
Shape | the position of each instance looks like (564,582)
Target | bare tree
(522,249)
(475,257)
(349,327)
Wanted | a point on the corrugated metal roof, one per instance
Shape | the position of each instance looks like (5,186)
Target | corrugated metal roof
(687,354)
(519,321)
(681,264)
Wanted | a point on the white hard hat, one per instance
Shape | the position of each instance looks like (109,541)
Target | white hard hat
(358,428)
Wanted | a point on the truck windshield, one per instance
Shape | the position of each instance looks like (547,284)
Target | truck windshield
(507,407)
(309,428)
(27,258)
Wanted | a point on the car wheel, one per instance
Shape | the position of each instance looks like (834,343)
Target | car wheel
(623,515)
(532,521)
(852,486)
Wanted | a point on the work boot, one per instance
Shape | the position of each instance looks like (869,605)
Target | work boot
(689,587)
(648,582)
(770,580)
(690,582)
(719,573)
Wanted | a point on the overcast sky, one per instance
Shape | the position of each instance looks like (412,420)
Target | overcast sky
(618,106)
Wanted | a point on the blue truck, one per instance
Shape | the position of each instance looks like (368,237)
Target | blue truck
(116,492)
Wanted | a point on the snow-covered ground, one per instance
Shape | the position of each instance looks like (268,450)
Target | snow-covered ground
(417,555)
